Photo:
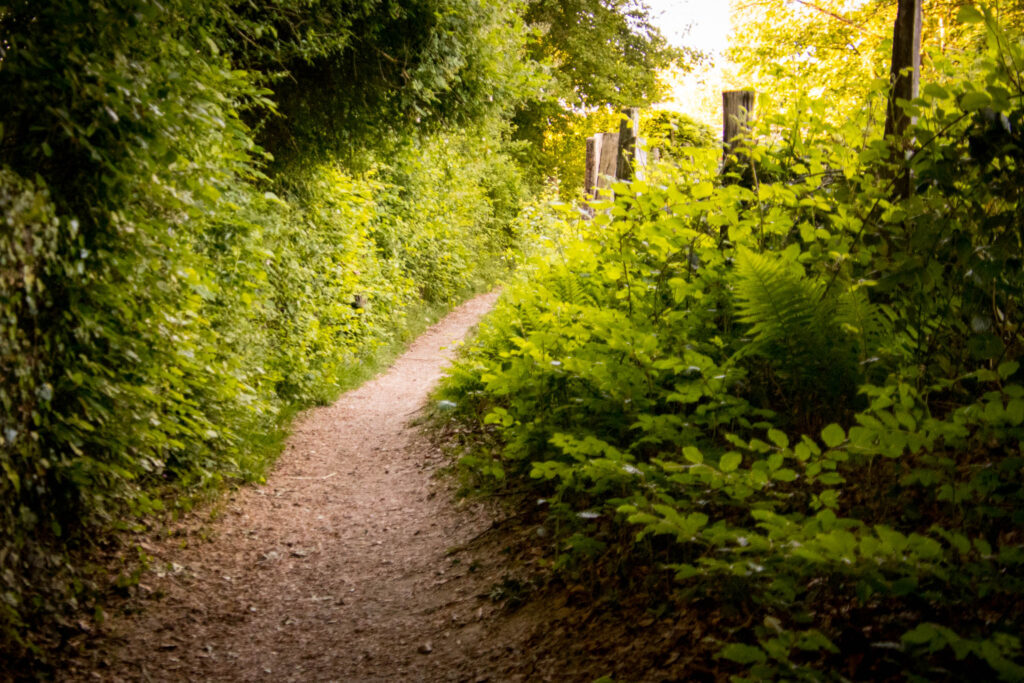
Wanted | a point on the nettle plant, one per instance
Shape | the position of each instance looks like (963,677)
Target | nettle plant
(790,388)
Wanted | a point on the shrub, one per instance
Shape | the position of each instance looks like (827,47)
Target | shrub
(164,304)
(799,397)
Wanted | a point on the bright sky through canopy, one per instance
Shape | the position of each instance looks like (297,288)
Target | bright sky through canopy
(705,26)
(708,22)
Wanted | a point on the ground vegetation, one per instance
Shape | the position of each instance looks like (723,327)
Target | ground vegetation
(787,398)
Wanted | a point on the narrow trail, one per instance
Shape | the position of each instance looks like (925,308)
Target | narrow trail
(338,568)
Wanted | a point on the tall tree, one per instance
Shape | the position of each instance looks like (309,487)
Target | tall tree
(904,78)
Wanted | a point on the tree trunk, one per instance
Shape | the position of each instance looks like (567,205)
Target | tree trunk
(905,76)
(904,80)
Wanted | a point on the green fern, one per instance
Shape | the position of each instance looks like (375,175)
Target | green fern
(568,287)
(812,342)
(864,322)
(785,310)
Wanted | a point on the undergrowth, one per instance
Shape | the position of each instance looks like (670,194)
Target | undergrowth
(197,240)
(787,397)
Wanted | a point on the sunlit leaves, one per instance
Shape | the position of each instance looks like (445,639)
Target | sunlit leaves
(730,461)
(165,305)
(700,320)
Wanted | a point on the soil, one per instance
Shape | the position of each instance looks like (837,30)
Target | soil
(356,562)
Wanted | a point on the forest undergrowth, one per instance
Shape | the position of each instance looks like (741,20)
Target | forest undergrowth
(782,395)
(214,215)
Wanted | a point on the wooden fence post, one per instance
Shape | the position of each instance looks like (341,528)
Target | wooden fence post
(737,111)
(640,159)
(590,176)
(905,75)
(629,128)
(609,157)
(614,156)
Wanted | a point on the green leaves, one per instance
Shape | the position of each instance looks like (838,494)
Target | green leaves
(802,396)
(164,303)
(936,91)
(743,654)
(693,455)
(730,461)
(1007,369)
(969,14)
(778,438)
(833,435)
(975,100)
(702,190)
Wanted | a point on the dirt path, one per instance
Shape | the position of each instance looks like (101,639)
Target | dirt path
(338,568)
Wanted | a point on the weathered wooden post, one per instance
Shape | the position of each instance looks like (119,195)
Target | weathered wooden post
(640,159)
(609,159)
(590,175)
(904,77)
(629,128)
(737,111)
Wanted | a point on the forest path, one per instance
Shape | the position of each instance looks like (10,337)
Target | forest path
(340,567)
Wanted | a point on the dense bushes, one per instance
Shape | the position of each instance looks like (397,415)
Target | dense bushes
(165,303)
(675,135)
(796,395)
(191,353)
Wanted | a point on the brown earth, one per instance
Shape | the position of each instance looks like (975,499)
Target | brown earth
(355,562)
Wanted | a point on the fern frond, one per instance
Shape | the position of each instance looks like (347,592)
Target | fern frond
(865,322)
(783,308)
(796,327)
(568,287)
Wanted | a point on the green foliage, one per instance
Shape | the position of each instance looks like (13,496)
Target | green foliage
(448,209)
(622,72)
(837,53)
(559,149)
(802,332)
(164,305)
(351,75)
(675,135)
(600,56)
(793,393)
